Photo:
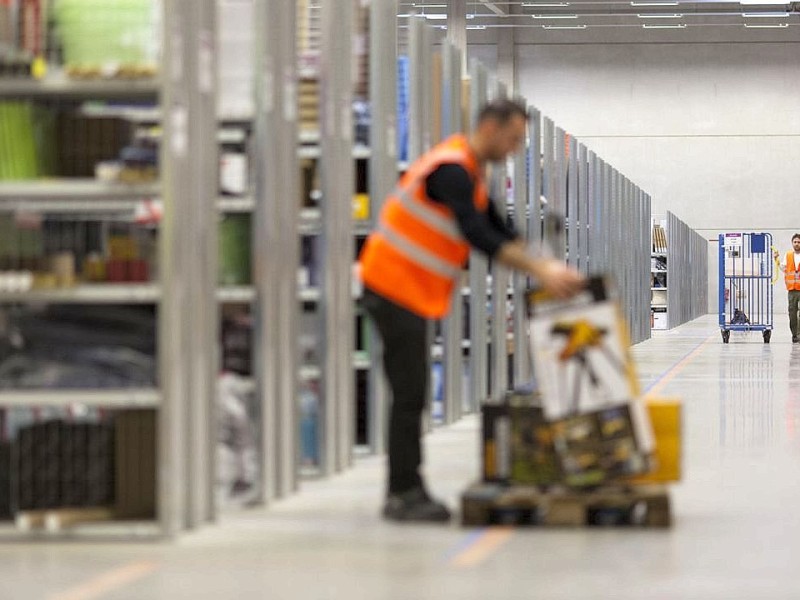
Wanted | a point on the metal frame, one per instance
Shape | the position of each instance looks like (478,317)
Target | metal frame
(478,272)
(452,326)
(382,178)
(336,305)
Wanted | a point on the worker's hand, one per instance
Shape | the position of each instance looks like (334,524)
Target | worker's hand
(775,254)
(558,279)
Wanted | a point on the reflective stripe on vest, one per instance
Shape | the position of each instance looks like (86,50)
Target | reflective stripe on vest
(791,275)
(427,215)
(417,254)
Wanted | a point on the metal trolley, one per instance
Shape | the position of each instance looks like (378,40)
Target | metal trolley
(745,284)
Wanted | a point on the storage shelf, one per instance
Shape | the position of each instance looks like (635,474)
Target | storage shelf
(310,373)
(658,306)
(311,223)
(112,398)
(63,193)
(657,289)
(98,293)
(658,270)
(13,87)
(100,530)
(309,294)
(236,294)
(361,361)
(228,204)
(313,152)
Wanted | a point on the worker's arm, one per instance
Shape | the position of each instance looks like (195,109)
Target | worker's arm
(452,186)
(781,262)
(553,275)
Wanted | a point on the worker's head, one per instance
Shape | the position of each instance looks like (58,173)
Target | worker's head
(501,129)
(796,242)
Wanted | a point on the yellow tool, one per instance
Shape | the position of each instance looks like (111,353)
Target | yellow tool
(776,257)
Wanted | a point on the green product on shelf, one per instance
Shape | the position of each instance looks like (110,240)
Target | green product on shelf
(234,246)
(18,148)
(95,33)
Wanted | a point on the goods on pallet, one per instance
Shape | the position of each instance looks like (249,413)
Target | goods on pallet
(578,448)
(589,390)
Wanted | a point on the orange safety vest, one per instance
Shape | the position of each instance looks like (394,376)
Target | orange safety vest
(415,256)
(792,275)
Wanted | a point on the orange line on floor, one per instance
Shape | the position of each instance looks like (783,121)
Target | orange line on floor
(675,371)
(107,582)
(483,547)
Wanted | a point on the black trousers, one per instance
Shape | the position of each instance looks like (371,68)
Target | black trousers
(406,363)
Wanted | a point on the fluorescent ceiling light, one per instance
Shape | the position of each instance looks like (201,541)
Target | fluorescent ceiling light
(555,16)
(656,16)
(766,14)
(473,27)
(678,26)
(654,3)
(761,2)
(423,5)
(776,26)
(564,27)
(545,4)
(435,17)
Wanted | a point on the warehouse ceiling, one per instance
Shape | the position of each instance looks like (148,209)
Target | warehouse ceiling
(638,14)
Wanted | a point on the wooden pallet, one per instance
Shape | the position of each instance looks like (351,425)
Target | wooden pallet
(494,504)
(55,520)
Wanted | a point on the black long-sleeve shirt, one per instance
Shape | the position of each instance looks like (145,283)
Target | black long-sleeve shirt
(451,185)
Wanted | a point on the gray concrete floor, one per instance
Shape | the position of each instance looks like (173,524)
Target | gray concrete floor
(737,534)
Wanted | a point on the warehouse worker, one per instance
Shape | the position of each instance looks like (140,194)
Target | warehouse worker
(412,263)
(790,266)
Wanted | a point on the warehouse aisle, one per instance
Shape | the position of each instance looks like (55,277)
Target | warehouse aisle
(736,533)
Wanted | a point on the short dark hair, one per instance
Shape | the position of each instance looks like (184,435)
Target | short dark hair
(796,235)
(502,110)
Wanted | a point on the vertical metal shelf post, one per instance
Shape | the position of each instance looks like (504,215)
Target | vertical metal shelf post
(201,219)
(452,326)
(336,304)
(583,208)
(173,335)
(382,178)
(479,269)
(500,280)
(560,189)
(269,241)
(283,16)
(593,212)
(573,255)
(522,201)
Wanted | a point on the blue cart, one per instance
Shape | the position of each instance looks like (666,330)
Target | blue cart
(745,284)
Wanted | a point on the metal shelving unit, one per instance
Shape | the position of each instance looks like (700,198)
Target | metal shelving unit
(108,293)
(184,402)
(64,88)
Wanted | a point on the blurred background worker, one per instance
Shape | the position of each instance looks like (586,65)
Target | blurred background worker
(412,263)
(790,265)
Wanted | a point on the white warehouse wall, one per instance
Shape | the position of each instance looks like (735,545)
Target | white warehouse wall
(710,130)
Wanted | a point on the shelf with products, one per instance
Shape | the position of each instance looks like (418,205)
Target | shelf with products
(110,293)
(98,398)
(60,192)
(65,88)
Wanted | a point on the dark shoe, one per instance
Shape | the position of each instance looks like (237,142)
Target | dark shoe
(415,505)
(795,339)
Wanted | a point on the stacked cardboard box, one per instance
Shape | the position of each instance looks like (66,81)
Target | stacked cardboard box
(135,453)
(63,464)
